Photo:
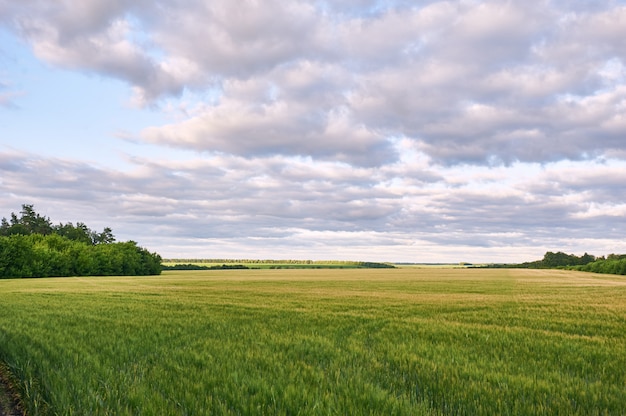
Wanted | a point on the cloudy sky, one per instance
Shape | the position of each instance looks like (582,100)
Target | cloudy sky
(417,131)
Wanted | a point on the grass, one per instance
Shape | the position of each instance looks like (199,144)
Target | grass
(286,342)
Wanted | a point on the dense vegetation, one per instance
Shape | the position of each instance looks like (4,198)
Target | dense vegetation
(30,222)
(319,342)
(557,260)
(30,246)
(612,264)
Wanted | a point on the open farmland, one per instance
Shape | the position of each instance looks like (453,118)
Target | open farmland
(394,341)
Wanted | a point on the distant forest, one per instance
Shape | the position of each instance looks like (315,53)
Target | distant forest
(200,264)
(611,264)
(31,246)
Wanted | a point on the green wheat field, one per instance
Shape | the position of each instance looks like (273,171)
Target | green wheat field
(319,342)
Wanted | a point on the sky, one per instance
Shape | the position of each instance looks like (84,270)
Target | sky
(400,131)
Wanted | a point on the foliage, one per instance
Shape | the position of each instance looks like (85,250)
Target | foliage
(557,260)
(37,255)
(613,264)
(373,265)
(30,246)
(189,266)
(319,342)
(30,222)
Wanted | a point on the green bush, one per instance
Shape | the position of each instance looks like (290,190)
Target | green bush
(613,264)
(37,255)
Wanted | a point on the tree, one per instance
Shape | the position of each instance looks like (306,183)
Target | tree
(105,237)
(29,223)
(586,259)
(35,223)
(561,259)
(31,247)
(80,232)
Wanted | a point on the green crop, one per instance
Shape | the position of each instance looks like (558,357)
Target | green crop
(287,342)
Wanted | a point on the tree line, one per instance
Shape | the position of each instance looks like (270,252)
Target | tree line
(190,266)
(611,264)
(559,259)
(348,263)
(30,222)
(31,246)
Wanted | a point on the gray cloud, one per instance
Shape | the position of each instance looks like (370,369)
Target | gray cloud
(226,201)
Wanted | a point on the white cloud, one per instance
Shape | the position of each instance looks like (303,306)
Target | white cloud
(292,77)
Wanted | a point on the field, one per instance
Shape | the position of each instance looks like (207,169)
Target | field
(274,264)
(285,342)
